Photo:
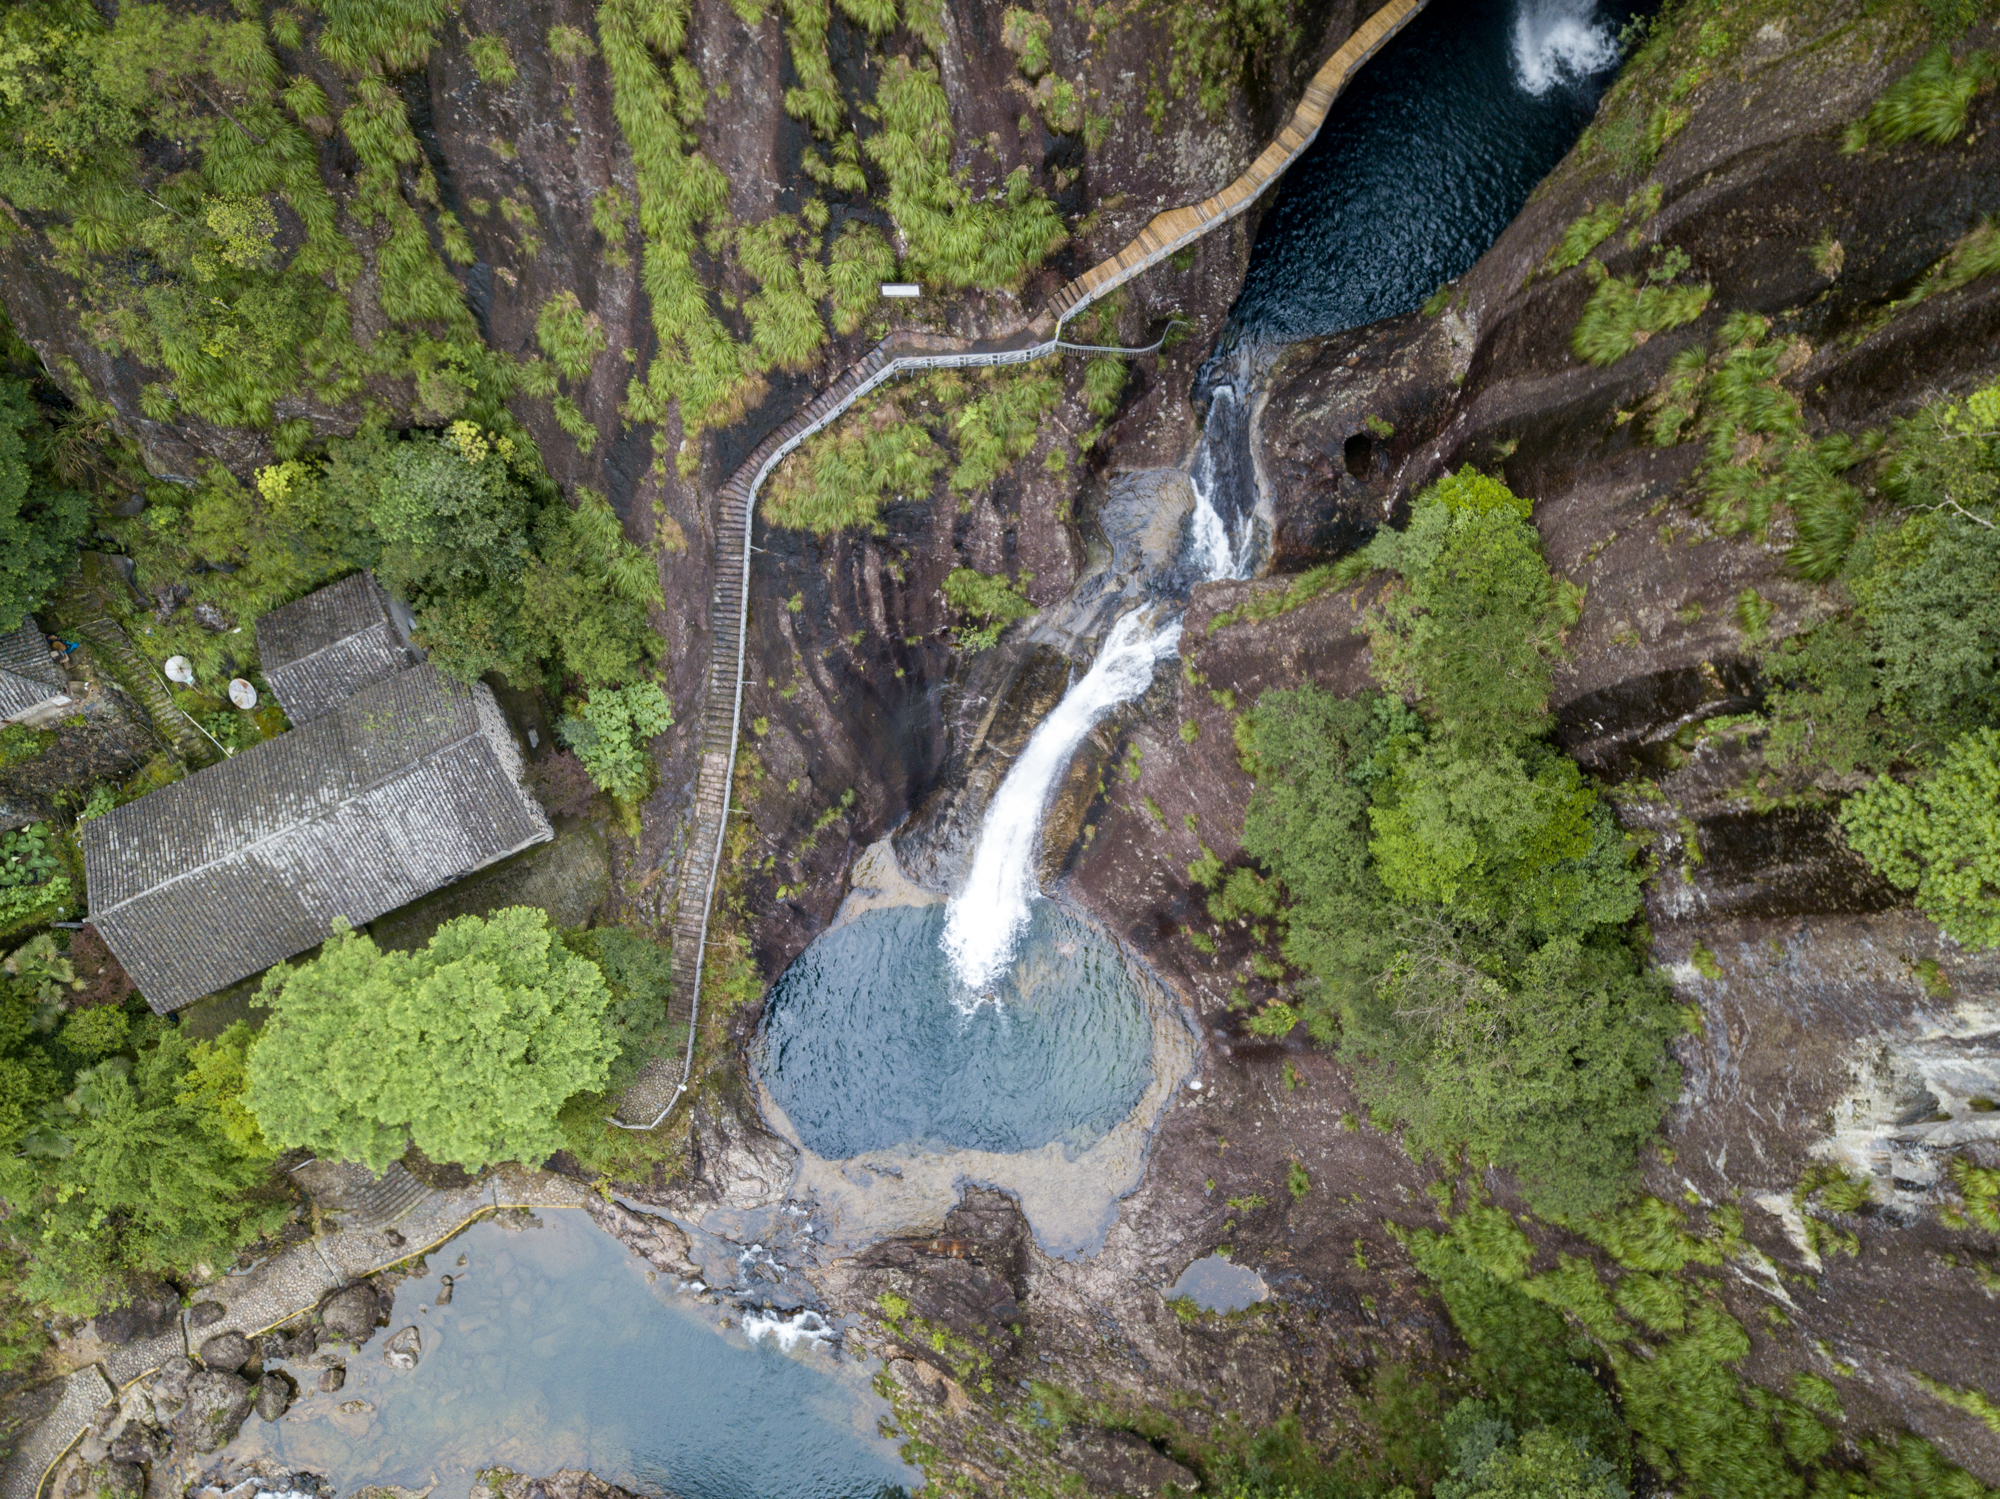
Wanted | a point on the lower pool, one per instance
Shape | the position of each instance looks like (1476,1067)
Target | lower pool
(555,1350)
(870,1042)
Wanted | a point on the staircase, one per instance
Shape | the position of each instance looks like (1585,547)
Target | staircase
(124,665)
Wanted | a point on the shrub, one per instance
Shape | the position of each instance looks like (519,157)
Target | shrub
(995,430)
(841,478)
(639,974)
(490,59)
(994,600)
(42,521)
(568,335)
(466,1048)
(1621,315)
(1940,837)
(954,240)
(1214,44)
(610,733)
(1929,103)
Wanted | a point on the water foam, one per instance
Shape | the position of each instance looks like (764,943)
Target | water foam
(1556,40)
(808,1328)
(986,917)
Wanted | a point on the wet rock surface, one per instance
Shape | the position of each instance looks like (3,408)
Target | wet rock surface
(352,1314)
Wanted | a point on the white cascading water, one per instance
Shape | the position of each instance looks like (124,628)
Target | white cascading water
(1559,39)
(985,918)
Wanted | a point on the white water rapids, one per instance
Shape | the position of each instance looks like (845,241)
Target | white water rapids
(983,921)
(1558,39)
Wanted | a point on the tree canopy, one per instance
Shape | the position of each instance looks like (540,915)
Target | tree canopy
(42,521)
(466,1048)
(1454,891)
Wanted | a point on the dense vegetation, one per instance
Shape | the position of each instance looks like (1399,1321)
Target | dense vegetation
(1455,894)
(891,449)
(133,1149)
(501,572)
(467,1048)
(43,516)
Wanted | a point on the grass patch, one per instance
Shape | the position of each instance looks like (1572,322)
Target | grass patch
(1623,313)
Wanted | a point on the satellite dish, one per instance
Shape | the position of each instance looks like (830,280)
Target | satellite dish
(242,693)
(181,670)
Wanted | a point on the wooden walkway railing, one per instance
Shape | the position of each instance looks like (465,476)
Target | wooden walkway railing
(736,504)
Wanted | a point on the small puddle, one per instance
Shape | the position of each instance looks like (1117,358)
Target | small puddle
(870,1042)
(555,1352)
(1216,1285)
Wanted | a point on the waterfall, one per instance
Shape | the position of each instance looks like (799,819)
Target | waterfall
(1558,39)
(1217,554)
(986,916)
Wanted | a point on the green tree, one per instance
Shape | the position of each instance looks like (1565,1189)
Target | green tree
(466,1048)
(1939,836)
(1454,889)
(120,1175)
(1488,1461)
(1474,623)
(42,522)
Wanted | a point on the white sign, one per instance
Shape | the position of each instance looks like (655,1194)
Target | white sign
(901,289)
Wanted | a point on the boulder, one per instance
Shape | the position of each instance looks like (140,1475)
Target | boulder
(141,1443)
(227,1351)
(287,1347)
(168,1388)
(206,1314)
(216,1405)
(351,1315)
(404,1349)
(332,1379)
(274,1394)
(152,1310)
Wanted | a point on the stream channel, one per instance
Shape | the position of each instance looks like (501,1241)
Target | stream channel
(985,1031)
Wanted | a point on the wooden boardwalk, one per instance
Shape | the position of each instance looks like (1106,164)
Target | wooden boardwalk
(736,506)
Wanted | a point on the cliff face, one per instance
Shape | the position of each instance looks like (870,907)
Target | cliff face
(1830,1021)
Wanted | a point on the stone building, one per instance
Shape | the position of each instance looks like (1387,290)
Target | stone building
(394,781)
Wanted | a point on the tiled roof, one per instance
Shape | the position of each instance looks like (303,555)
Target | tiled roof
(321,650)
(408,785)
(28,678)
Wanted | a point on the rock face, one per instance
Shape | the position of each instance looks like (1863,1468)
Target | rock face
(1825,1033)
(1121,1462)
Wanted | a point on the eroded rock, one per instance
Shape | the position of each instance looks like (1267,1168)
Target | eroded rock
(217,1404)
(352,1314)
(227,1351)
(274,1395)
(404,1349)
